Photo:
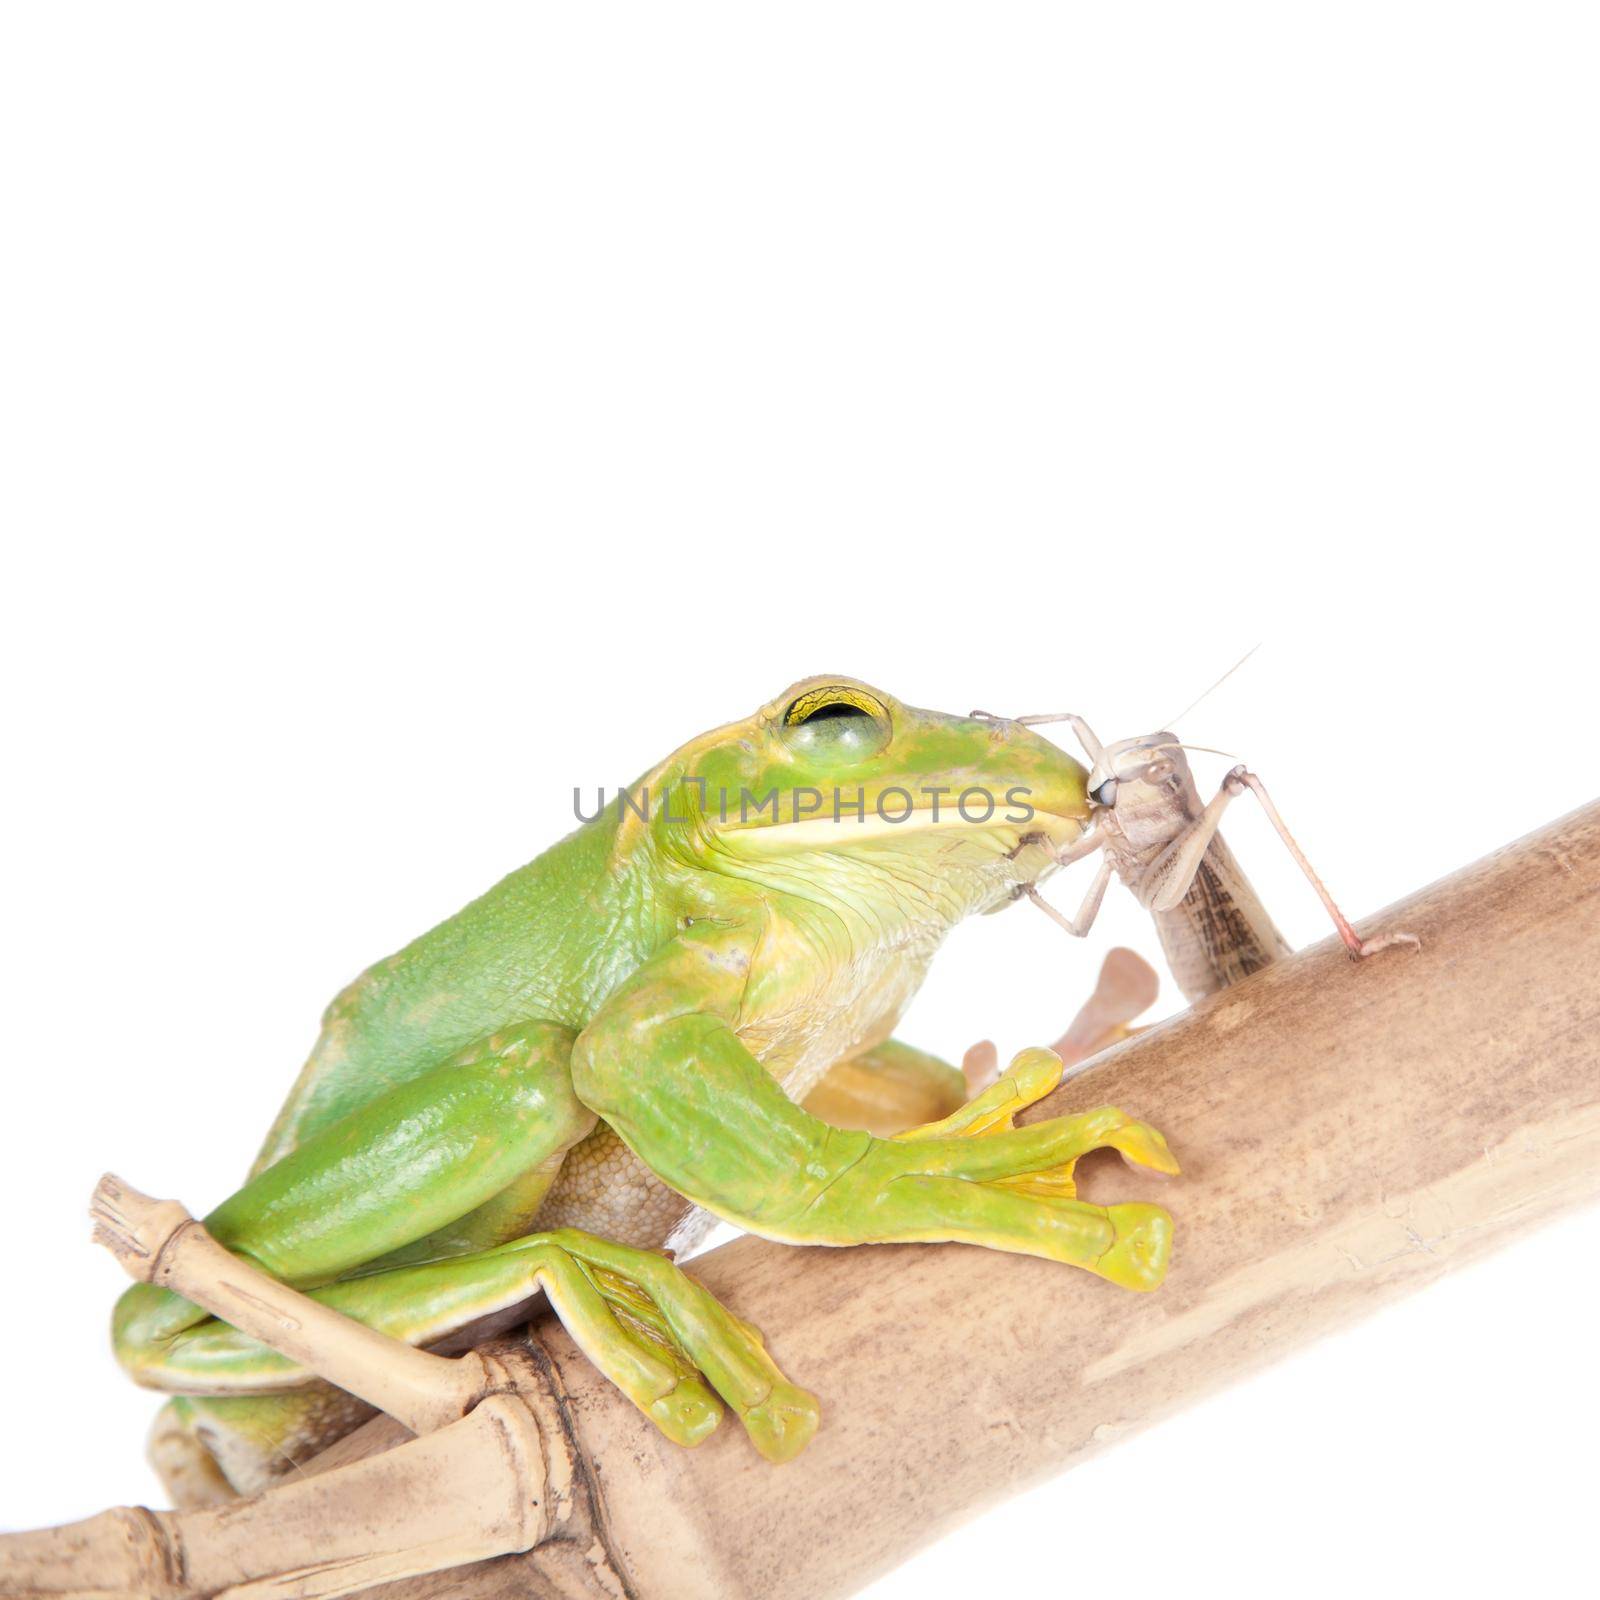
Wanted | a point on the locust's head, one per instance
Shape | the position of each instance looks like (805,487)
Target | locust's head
(1134,773)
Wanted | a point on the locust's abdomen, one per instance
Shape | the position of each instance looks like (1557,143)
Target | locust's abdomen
(1220,931)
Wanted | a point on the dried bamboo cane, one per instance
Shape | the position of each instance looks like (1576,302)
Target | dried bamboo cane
(1348,1131)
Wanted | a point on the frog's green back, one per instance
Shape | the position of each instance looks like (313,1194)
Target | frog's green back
(546,943)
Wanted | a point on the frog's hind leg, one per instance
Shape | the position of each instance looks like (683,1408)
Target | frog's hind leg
(208,1450)
(663,1302)
(451,1162)
(886,1089)
(645,1323)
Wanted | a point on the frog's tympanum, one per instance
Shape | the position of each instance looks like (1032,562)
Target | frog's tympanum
(616,1042)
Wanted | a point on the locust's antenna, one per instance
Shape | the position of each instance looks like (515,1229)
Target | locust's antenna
(1214,687)
(1204,749)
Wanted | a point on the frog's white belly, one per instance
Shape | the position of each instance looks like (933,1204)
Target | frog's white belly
(604,1188)
(847,1006)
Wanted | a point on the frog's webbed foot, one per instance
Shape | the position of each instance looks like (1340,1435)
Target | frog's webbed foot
(658,1303)
(1128,1244)
(1030,1077)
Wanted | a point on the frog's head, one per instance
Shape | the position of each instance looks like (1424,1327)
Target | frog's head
(835,778)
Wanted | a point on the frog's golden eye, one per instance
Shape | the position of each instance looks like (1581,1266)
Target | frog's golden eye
(838,721)
(836,700)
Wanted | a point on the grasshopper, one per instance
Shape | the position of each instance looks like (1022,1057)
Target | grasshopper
(1152,830)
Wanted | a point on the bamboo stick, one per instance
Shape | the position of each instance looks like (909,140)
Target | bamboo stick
(1348,1131)
(158,1242)
(472,1489)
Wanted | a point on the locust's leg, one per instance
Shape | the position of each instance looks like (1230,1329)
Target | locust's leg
(1175,870)
(663,1063)
(1078,926)
(886,1089)
(649,1327)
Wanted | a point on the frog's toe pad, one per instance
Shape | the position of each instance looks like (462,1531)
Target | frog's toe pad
(784,1423)
(688,1414)
(1141,1145)
(1034,1073)
(1139,1255)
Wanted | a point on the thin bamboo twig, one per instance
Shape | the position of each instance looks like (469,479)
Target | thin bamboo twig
(1348,1132)
(157,1241)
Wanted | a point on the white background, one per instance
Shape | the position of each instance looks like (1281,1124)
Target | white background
(412,413)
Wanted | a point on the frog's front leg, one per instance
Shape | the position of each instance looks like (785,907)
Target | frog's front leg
(663,1063)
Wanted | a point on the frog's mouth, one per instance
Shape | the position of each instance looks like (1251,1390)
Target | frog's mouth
(848,826)
(997,857)
(936,871)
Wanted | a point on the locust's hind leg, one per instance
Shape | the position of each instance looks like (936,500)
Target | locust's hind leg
(1174,870)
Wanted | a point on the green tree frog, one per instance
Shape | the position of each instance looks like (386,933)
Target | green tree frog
(612,1046)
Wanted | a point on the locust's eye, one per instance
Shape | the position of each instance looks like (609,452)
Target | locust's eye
(1105,794)
(839,722)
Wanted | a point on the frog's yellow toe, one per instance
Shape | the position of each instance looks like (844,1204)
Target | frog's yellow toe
(1143,1146)
(784,1423)
(1138,1258)
(1035,1072)
(688,1414)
